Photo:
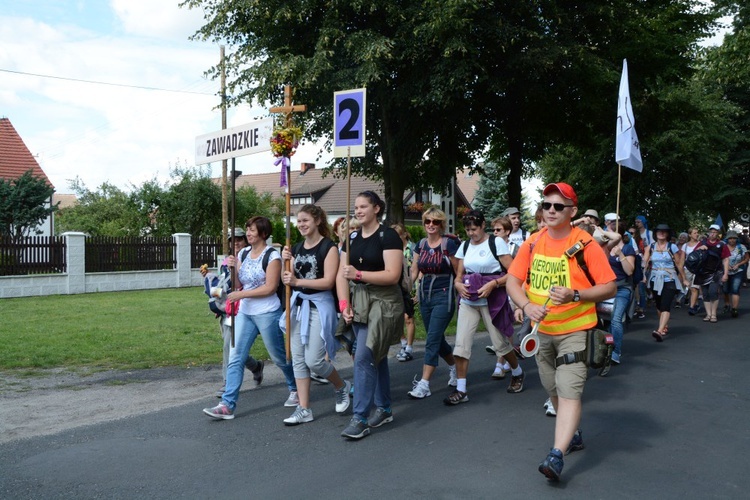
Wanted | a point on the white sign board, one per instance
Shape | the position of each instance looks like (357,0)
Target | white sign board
(349,108)
(254,137)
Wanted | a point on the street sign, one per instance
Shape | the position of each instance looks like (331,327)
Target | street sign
(247,139)
(349,108)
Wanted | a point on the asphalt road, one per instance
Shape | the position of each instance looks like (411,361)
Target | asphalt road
(670,422)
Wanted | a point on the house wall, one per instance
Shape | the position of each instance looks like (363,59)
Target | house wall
(77,280)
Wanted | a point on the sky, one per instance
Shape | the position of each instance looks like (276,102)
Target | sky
(108,133)
(100,132)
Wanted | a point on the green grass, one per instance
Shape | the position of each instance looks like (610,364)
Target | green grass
(117,330)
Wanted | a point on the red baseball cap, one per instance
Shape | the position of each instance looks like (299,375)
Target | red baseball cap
(564,189)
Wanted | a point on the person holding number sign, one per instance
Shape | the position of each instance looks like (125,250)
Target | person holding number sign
(374,307)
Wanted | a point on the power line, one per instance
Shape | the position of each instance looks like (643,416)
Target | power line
(105,83)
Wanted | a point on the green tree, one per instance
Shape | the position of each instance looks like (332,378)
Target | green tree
(416,58)
(250,203)
(107,211)
(24,205)
(190,204)
(491,197)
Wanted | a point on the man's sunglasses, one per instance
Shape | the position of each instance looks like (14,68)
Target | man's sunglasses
(559,207)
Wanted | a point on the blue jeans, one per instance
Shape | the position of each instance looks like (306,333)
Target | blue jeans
(372,384)
(246,330)
(642,296)
(436,316)
(617,324)
(733,284)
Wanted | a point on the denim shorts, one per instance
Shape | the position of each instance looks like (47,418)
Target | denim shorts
(733,284)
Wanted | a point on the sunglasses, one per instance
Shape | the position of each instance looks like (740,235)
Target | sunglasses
(497,229)
(432,222)
(559,207)
(632,233)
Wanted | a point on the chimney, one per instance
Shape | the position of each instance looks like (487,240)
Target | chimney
(304,167)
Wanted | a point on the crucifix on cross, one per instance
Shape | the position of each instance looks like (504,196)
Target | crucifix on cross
(288,109)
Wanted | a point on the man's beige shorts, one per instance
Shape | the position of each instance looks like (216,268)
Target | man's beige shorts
(566,381)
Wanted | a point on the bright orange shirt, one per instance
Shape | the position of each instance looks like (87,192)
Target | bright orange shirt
(550,266)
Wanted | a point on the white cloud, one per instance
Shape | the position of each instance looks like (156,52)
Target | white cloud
(157,18)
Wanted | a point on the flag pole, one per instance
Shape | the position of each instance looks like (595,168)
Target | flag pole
(348,211)
(617,207)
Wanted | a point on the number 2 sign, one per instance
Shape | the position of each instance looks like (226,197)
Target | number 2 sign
(349,123)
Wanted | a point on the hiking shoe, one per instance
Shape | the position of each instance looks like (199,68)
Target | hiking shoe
(342,397)
(452,377)
(489,349)
(293,400)
(552,466)
(692,311)
(516,384)
(735,313)
(258,373)
(382,416)
(317,378)
(499,373)
(456,397)
(726,309)
(420,389)
(404,355)
(640,314)
(549,409)
(576,444)
(357,429)
(300,416)
(219,412)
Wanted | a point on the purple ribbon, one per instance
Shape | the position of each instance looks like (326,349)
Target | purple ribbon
(284,160)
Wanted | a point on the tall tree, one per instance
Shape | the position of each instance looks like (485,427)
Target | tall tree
(191,204)
(491,197)
(416,58)
(24,204)
(106,211)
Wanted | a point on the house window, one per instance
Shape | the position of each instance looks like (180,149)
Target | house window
(301,200)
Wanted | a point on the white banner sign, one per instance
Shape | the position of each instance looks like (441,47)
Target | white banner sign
(254,137)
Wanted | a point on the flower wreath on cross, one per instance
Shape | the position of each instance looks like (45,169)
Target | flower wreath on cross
(284,143)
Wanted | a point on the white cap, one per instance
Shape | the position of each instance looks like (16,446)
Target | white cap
(714,226)
(610,216)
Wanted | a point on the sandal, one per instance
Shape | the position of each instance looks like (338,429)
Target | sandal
(456,397)
(659,336)
(707,318)
(713,319)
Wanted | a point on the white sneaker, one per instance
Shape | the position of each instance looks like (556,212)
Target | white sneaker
(452,378)
(549,410)
(292,400)
(421,390)
(342,397)
(300,416)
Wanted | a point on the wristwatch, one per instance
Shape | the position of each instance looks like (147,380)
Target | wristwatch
(576,296)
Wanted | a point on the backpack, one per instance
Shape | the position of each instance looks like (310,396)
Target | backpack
(405,283)
(637,275)
(712,262)
(696,260)
(434,260)
(281,287)
(669,249)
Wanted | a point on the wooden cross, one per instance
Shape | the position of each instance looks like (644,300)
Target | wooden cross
(288,109)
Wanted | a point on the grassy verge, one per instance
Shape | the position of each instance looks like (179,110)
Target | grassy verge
(118,330)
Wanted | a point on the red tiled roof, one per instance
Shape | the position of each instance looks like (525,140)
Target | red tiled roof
(15,157)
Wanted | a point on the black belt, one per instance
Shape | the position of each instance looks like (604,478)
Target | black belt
(570,358)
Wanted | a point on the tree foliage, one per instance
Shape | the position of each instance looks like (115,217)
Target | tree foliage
(106,211)
(490,198)
(24,205)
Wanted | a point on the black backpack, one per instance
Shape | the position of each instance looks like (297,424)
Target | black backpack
(695,261)
(281,287)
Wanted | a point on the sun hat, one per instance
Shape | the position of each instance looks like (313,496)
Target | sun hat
(592,213)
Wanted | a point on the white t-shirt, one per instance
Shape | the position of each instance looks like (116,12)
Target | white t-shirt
(517,237)
(252,276)
(479,259)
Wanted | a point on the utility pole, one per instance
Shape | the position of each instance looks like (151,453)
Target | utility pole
(224,215)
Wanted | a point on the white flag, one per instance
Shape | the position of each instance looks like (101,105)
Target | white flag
(627,149)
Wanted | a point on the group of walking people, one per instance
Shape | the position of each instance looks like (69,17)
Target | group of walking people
(352,295)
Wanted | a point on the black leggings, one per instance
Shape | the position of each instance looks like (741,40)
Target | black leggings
(664,300)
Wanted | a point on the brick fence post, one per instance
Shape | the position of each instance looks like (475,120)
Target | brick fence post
(75,244)
(184,242)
